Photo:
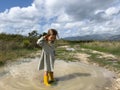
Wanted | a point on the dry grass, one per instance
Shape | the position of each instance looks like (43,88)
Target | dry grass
(112,47)
(10,50)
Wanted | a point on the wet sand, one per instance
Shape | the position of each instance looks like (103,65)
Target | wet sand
(24,75)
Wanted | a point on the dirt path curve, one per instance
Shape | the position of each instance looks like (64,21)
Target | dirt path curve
(23,75)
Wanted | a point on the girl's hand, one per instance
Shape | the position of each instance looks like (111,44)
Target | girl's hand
(52,37)
(46,37)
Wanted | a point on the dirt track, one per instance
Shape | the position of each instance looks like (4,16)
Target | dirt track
(23,75)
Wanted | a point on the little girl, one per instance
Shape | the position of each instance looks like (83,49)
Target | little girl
(48,55)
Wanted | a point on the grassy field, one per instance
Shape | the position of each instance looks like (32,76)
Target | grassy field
(15,46)
(112,47)
(107,47)
(12,55)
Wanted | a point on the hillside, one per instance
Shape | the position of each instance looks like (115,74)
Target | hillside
(100,37)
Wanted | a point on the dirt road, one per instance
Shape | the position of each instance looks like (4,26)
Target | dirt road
(23,75)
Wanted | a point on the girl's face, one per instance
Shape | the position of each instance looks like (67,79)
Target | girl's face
(51,37)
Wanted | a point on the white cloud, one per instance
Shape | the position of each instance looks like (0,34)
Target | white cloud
(55,25)
(63,17)
(69,17)
(19,19)
(68,31)
(112,10)
(73,25)
(79,9)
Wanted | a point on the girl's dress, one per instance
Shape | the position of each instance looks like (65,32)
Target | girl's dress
(47,55)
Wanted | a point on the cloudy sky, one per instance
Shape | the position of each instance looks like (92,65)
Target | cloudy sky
(69,17)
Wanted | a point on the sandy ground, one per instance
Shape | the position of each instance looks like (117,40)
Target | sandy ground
(84,58)
(23,75)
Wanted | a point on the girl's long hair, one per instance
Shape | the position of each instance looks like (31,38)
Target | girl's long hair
(54,32)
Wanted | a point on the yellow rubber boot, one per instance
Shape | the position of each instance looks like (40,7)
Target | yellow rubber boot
(51,76)
(46,80)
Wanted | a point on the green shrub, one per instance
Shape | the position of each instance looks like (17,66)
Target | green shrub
(26,44)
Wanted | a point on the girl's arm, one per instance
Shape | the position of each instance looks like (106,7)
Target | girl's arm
(40,41)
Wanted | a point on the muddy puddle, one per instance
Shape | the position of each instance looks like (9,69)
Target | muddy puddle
(24,75)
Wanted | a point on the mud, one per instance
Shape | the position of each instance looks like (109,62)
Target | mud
(24,75)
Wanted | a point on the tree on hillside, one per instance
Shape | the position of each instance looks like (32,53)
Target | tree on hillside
(33,33)
(32,39)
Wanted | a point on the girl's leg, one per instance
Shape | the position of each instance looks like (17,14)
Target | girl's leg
(46,78)
(51,76)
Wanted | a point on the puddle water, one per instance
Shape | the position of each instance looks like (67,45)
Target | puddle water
(24,75)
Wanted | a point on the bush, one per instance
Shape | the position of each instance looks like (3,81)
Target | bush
(26,44)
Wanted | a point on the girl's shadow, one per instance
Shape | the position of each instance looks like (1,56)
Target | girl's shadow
(71,76)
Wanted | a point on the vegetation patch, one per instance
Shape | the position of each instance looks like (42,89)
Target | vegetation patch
(62,53)
(13,46)
(108,47)
(112,47)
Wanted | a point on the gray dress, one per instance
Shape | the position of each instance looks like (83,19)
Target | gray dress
(47,55)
